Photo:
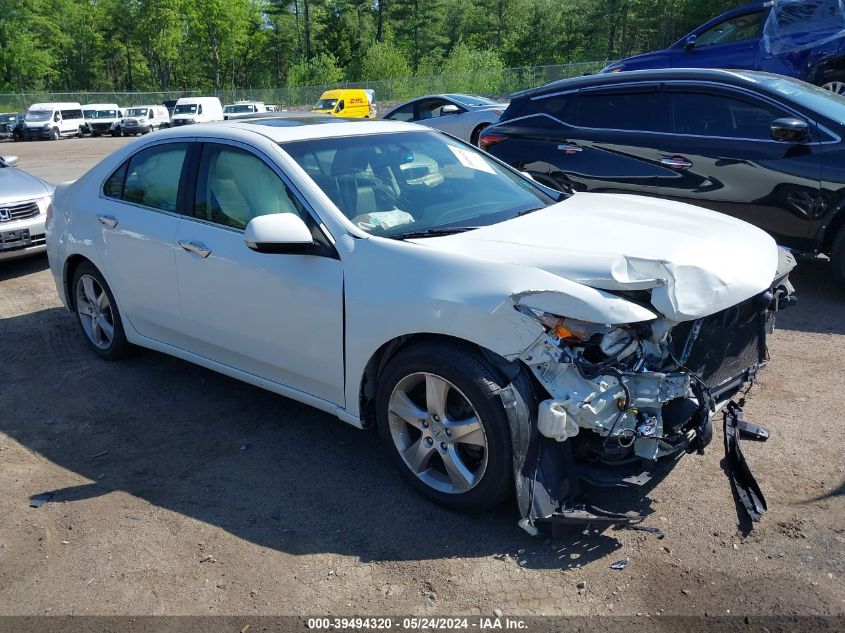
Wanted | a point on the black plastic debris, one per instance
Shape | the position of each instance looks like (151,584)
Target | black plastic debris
(37,501)
(742,481)
(621,564)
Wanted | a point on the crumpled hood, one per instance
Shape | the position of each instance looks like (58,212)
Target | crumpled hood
(695,262)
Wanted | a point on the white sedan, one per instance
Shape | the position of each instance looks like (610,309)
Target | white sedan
(501,336)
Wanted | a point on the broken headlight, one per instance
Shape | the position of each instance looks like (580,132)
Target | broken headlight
(613,341)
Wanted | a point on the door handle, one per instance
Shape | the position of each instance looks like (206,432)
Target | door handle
(570,148)
(107,220)
(675,162)
(193,247)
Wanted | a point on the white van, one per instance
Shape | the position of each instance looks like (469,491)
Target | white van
(144,119)
(53,120)
(101,118)
(244,107)
(197,110)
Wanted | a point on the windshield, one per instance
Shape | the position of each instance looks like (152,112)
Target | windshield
(8,118)
(237,109)
(136,112)
(396,184)
(469,100)
(827,103)
(185,108)
(325,104)
(38,115)
(100,114)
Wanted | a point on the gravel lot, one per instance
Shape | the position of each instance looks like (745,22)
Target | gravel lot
(181,491)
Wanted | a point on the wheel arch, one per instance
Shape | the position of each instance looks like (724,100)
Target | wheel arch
(832,229)
(71,264)
(504,370)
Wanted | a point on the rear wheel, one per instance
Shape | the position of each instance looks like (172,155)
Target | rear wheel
(476,133)
(441,419)
(97,314)
(837,256)
(835,82)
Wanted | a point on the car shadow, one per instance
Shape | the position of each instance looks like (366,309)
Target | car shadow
(12,268)
(821,300)
(260,466)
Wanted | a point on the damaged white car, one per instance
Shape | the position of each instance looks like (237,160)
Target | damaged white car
(502,337)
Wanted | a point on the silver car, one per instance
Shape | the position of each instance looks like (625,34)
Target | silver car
(463,116)
(23,210)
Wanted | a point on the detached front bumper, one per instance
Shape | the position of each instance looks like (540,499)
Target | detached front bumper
(625,425)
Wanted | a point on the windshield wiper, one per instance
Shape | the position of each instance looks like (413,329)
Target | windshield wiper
(435,232)
(527,211)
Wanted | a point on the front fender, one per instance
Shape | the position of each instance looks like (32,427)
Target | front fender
(428,291)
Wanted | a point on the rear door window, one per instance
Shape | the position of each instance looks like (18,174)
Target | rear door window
(716,115)
(404,113)
(153,176)
(621,110)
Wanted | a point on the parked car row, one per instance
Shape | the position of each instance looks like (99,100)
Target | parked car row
(59,120)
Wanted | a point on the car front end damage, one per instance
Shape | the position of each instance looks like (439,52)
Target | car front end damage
(612,403)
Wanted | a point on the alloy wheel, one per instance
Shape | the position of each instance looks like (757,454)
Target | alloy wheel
(438,433)
(835,86)
(95,311)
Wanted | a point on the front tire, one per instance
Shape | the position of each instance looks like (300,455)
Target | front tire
(54,135)
(440,417)
(97,313)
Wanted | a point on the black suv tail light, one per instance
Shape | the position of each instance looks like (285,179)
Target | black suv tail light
(488,139)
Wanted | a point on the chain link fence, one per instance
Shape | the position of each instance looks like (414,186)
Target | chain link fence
(493,83)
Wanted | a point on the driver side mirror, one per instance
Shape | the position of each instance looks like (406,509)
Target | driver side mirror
(57,117)
(8,161)
(790,130)
(690,43)
(449,109)
(278,233)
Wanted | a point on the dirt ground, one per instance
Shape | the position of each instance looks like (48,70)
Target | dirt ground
(181,491)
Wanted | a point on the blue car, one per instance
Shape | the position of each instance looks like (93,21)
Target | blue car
(804,39)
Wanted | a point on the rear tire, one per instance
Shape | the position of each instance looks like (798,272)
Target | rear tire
(837,257)
(835,82)
(440,417)
(97,313)
(476,133)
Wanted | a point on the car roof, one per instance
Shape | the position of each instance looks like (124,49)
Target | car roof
(281,129)
(734,77)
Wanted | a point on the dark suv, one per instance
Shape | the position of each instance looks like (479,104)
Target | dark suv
(764,148)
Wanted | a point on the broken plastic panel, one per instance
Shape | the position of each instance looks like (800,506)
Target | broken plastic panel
(795,25)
